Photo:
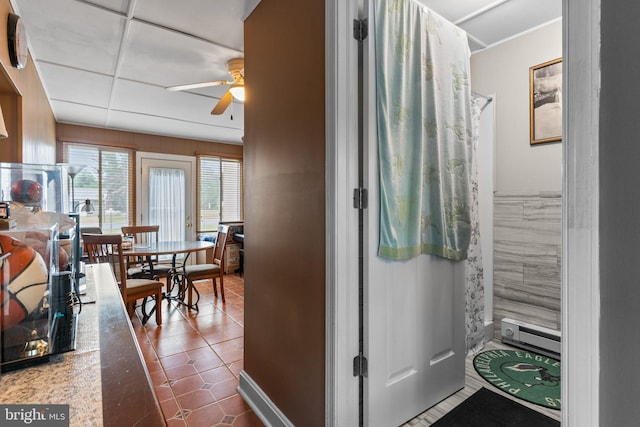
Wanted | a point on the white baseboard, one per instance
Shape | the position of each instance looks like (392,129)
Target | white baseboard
(263,407)
(489,330)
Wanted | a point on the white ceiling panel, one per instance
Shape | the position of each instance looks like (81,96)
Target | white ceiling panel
(169,58)
(169,127)
(515,17)
(120,6)
(453,10)
(72,33)
(91,89)
(68,112)
(218,21)
(105,63)
(154,101)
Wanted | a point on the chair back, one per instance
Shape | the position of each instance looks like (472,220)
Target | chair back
(221,241)
(106,248)
(142,234)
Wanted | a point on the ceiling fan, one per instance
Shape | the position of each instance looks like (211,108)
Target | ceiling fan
(236,88)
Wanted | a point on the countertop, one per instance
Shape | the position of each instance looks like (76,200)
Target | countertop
(104,381)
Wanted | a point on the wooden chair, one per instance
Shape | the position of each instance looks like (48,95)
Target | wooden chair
(138,267)
(106,248)
(214,270)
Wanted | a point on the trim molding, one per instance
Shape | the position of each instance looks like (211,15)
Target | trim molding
(580,215)
(341,172)
(258,400)
(489,331)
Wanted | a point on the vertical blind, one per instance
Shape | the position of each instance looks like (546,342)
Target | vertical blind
(107,180)
(219,192)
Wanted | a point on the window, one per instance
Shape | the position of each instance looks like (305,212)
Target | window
(106,181)
(219,192)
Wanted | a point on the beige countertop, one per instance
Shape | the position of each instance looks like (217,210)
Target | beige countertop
(104,381)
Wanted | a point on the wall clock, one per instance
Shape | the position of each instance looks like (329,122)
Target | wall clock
(17,39)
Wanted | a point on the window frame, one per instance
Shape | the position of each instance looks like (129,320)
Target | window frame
(240,182)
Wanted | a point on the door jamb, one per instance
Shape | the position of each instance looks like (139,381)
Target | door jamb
(341,173)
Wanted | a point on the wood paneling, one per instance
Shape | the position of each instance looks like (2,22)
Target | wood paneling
(144,142)
(285,206)
(28,115)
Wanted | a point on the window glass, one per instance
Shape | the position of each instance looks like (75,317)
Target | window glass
(106,182)
(219,192)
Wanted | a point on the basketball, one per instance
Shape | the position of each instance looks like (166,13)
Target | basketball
(23,278)
(26,191)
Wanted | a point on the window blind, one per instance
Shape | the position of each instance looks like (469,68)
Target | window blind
(107,180)
(220,192)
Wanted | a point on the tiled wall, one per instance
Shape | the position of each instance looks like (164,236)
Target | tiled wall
(527,258)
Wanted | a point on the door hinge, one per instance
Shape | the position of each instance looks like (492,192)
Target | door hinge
(360,366)
(360,29)
(360,198)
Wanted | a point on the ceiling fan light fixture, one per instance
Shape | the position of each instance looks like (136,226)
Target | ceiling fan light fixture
(237,90)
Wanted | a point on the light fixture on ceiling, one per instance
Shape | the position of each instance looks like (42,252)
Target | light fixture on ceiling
(237,90)
(3,128)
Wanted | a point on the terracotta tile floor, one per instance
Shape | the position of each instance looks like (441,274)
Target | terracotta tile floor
(195,358)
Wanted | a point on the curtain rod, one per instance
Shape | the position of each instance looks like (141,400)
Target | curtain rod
(488,98)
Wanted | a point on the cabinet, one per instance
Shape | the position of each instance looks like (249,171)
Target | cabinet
(231,257)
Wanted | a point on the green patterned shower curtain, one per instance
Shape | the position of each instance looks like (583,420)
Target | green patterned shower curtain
(424,132)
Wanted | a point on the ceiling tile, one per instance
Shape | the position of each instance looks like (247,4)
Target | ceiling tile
(72,33)
(88,88)
(219,21)
(67,112)
(160,126)
(515,17)
(154,101)
(117,5)
(453,10)
(168,58)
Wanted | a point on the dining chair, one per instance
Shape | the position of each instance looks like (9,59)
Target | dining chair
(139,267)
(106,248)
(215,269)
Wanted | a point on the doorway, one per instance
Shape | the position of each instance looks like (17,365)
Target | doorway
(165,188)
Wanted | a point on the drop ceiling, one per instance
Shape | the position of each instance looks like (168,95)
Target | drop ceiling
(105,63)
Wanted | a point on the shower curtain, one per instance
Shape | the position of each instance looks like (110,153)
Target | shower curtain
(474,274)
(424,132)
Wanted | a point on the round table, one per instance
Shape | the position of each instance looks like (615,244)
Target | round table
(177,277)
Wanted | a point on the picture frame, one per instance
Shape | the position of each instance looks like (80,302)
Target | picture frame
(545,102)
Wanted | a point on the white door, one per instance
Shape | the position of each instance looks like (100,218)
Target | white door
(166,194)
(414,333)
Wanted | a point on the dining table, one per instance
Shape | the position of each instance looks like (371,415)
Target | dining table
(179,287)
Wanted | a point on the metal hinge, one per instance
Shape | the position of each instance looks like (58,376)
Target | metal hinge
(360,366)
(360,198)
(360,29)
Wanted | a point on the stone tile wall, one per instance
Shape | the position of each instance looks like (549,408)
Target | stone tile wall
(527,259)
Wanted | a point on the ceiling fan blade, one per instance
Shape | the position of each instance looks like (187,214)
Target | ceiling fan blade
(222,104)
(196,85)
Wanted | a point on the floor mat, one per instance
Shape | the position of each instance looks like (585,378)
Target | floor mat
(523,374)
(488,409)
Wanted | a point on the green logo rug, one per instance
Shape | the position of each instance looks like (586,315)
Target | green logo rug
(528,376)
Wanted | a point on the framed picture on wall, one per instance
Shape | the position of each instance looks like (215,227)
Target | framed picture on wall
(545,102)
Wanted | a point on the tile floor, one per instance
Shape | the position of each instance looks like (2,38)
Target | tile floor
(194,359)
(473,382)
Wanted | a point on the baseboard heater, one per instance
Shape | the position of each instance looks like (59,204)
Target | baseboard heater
(531,337)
